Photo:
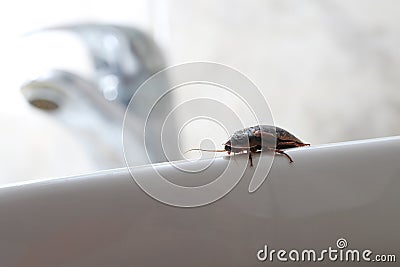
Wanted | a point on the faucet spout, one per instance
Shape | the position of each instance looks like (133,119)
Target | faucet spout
(93,108)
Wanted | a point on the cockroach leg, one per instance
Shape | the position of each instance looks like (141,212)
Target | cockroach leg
(250,159)
(283,153)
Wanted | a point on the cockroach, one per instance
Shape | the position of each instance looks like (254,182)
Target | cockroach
(260,138)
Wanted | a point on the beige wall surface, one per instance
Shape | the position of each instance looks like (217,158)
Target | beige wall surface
(329,69)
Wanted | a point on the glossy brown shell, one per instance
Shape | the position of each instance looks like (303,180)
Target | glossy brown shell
(263,137)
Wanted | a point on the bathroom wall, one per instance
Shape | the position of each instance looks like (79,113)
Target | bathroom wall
(329,69)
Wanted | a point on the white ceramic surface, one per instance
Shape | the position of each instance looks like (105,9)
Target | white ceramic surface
(346,190)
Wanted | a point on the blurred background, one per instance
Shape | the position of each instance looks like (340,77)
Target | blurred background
(329,70)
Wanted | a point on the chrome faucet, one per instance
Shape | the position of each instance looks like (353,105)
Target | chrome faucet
(93,108)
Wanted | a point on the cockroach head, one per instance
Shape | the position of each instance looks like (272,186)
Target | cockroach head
(237,142)
(228,147)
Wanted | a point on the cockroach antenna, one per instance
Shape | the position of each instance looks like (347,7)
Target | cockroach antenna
(205,150)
